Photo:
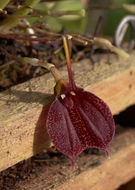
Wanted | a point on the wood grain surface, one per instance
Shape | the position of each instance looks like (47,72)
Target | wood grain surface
(113,172)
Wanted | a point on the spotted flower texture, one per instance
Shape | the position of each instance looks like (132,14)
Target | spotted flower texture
(78,119)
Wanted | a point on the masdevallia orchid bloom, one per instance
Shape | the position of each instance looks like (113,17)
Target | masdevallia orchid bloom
(77,119)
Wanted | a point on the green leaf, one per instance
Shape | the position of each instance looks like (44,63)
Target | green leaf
(67,5)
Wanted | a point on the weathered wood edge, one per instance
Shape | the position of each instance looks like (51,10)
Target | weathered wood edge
(21,106)
(112,173)
(96,171)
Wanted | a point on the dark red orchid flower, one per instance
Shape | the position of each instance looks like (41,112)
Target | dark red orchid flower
(78,119)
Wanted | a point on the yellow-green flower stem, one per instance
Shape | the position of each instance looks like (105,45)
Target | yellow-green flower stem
(70,75)
(55,73)
(8,23)
(49,66)
(61,84)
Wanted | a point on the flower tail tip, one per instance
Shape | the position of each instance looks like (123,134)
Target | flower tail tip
(108,152)
(73,163)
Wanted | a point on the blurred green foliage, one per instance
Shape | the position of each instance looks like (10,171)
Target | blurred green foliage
(79,22)
(72,23)
(113,17)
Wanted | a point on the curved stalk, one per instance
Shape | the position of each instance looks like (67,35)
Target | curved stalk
(106,43)
(57,76)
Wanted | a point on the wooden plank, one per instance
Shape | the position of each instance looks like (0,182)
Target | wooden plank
(21,106)
(112,173)
(93,170)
